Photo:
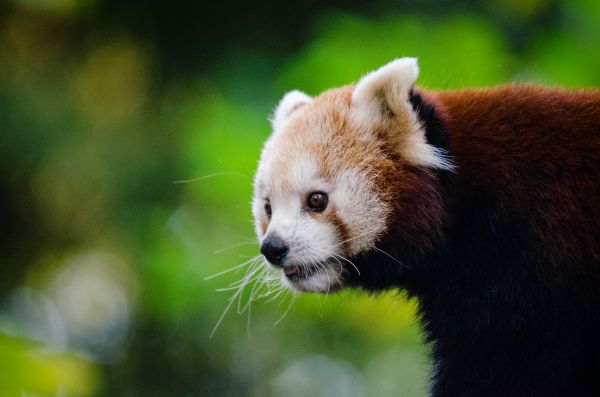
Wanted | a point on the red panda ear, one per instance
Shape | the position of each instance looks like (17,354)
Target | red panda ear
(385,92)
(381,98)
(288,104)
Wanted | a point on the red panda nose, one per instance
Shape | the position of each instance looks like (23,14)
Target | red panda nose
(274,249)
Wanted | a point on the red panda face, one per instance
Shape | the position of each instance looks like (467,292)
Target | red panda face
(315,202)
(322,193)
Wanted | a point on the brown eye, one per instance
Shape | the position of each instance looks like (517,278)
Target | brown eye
(317,201)
(268,209)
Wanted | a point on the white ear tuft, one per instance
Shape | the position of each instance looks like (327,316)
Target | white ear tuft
(290,102)
(385,89)
(384,95)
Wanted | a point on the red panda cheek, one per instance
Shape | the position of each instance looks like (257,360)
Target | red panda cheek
(331,217)
(341,228)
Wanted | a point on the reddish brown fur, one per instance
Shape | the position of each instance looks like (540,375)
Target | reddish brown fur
(334,219)
(535,147)
(503,252)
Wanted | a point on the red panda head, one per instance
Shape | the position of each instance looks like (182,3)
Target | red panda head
(338,173)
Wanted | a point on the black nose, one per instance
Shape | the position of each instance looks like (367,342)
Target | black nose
(274,249)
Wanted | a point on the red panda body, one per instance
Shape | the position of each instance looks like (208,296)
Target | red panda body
(510,299)
(483,204)
(537,150)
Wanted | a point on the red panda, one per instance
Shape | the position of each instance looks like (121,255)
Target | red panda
(484,204)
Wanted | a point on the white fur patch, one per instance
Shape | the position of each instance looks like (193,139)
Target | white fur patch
(306,235)
(387,90)
(362,211)
(312,241)
(387,86)
(290,102)
(301,175)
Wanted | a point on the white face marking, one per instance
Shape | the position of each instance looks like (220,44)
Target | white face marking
(311,240)
(316,245)
(362,210)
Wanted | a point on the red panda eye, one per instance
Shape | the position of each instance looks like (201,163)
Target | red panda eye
(317,201)
(268,209)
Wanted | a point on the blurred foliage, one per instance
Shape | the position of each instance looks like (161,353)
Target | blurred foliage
(130,132)
(29,368)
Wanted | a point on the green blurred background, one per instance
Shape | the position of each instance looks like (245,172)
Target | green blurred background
(105,105)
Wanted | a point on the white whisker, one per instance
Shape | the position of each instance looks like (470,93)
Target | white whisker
(231,269)
(292,301)
(211,176)
(347,260)
(234,246)
(231,300)
(352,238)
(239,286)
(277,295)
(390,256)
